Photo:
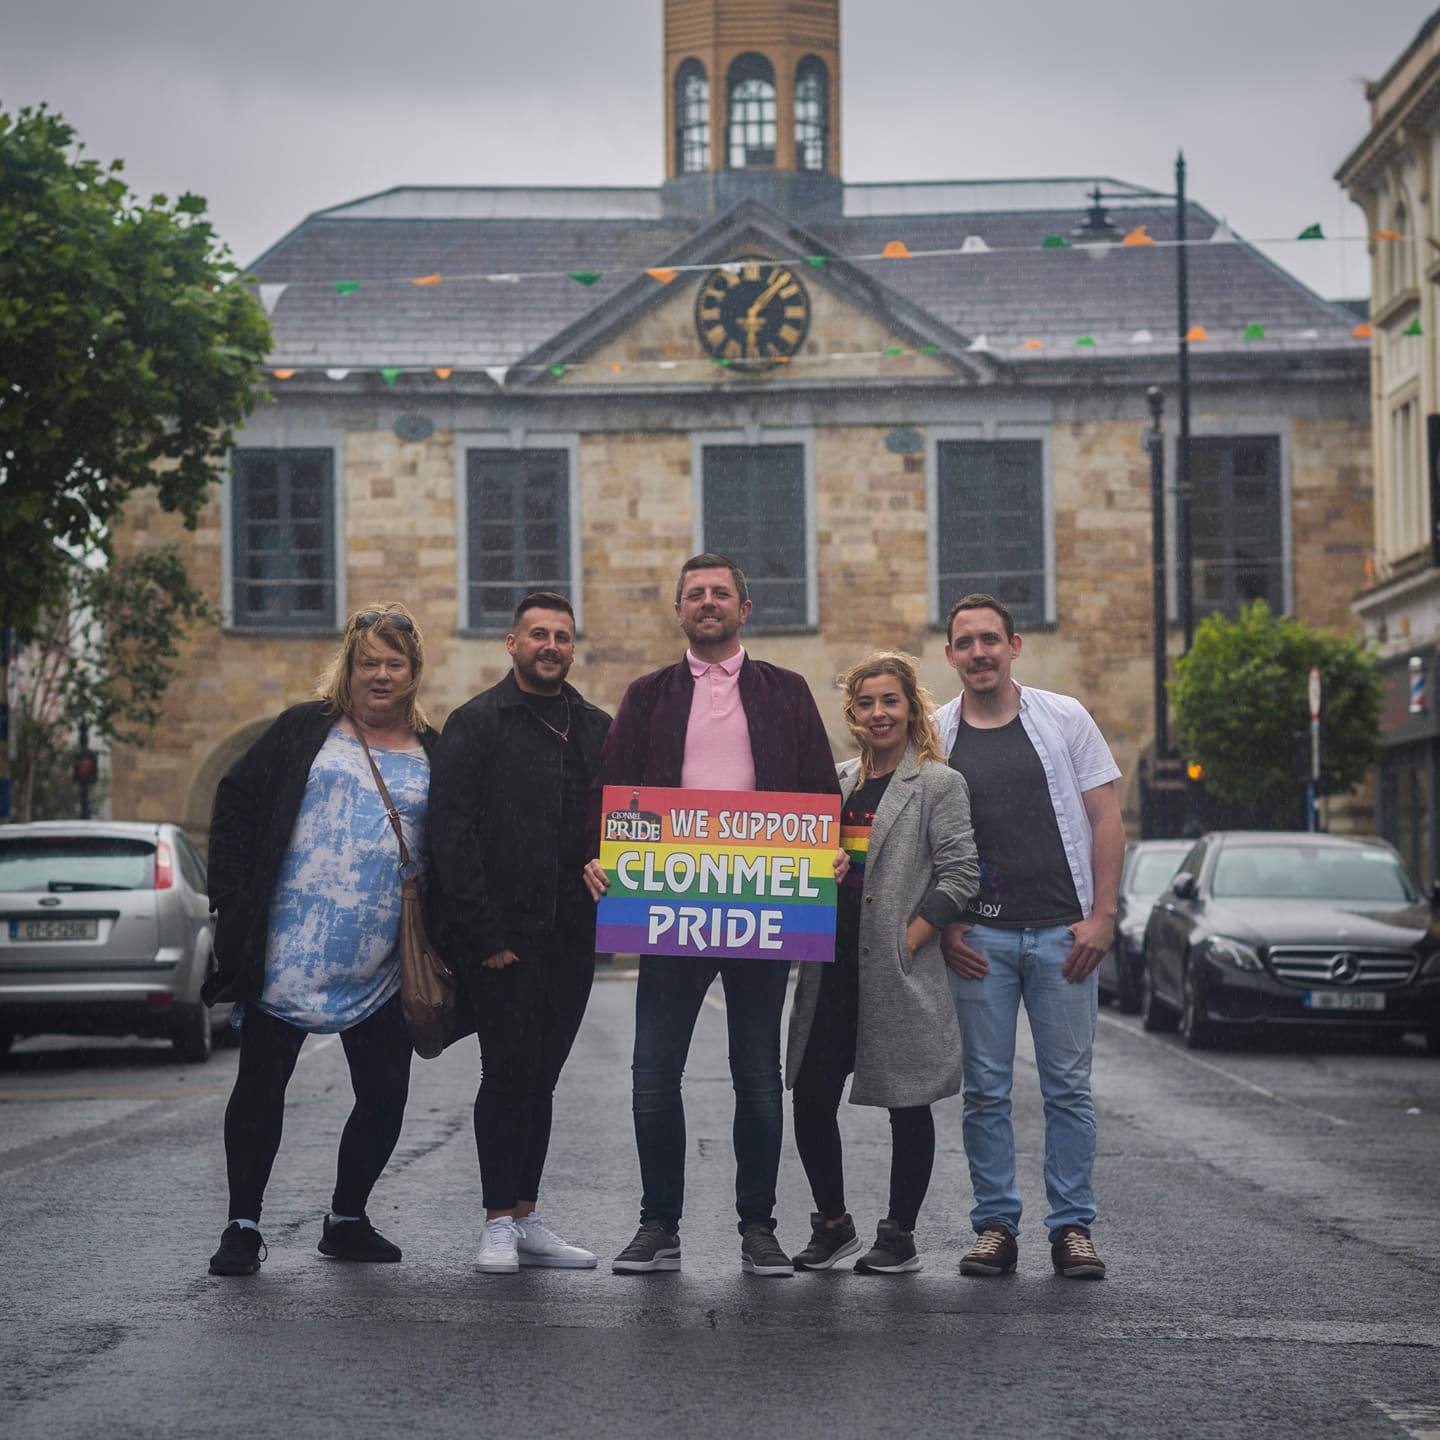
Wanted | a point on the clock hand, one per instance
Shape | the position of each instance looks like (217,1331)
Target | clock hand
(767,294)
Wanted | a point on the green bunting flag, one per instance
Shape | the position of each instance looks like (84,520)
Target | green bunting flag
(557,370)
(815,261)
(346,287)
(1413,328)
(1086,341)
(928,350)
(1254,332)
(583,277)
(390,374)
(893,350)
(1055,242)
(1311,232)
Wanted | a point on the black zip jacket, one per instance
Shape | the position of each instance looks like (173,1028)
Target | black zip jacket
(256,806)
(494,822)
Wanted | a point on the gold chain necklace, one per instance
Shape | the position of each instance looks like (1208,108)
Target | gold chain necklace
(563,734)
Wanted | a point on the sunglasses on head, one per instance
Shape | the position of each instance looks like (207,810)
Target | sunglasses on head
(394,618)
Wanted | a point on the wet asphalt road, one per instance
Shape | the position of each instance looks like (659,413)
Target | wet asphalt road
(1270,1221)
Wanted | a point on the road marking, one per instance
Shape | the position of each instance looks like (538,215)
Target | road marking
(1420,1422)
(1179,1054)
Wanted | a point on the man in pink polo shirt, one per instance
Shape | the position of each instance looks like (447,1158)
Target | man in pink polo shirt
(715,720)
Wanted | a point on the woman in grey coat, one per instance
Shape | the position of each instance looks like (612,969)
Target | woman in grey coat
(883,1009)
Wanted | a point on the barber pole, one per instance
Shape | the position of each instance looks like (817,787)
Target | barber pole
(1419,701)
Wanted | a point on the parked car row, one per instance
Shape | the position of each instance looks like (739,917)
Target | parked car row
(1254,930)
(105,930)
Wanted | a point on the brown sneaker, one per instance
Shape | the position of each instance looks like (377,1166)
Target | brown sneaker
(1073,1255)
(993,1253)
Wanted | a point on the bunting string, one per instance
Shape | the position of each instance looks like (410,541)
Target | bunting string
(895,251)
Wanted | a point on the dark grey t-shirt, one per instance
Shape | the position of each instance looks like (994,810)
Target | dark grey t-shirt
(1025,880)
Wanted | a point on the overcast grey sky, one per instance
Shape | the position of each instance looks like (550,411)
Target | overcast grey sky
(275,108)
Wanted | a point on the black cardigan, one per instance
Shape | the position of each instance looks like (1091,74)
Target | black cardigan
(256,806)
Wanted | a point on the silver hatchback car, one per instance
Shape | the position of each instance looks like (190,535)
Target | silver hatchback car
(104,930)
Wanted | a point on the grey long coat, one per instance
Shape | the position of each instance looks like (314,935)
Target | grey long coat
(907,1051)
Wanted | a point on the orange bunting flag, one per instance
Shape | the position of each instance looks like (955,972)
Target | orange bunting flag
(1196,333)
(1138,236)
(616,368)
(444,372)
(1034,344)
(895,250)
(661,274)
(282,374)
(1362,331)
(1388,235)
(426,279)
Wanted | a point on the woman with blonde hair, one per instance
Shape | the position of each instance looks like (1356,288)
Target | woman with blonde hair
(882,1010)
(306,897)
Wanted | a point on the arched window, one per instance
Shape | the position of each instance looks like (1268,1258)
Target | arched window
(692,119)
(752,112)
(812,114)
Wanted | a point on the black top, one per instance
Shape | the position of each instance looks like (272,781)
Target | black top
(1025,880)
(856,817)
(556,712)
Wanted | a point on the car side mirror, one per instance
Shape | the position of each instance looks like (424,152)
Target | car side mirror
(1435,895)
(1185,887)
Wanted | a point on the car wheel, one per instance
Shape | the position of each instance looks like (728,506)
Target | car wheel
(1432,1041)
(7,1039)
(1195,1025)
(193,1039)
(1155,1015)
(1128,996)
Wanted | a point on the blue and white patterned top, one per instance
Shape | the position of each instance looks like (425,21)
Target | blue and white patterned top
(332,957)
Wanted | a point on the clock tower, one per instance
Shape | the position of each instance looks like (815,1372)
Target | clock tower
(752,106)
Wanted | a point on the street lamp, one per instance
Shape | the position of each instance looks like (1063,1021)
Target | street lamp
(1155,439)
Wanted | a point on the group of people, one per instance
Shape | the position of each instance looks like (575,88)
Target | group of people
(978,866)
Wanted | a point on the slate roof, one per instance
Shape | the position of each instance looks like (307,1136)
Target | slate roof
(1051,295)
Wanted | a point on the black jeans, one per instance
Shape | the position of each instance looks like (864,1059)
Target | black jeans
(829,1059)
(378,1051)
(527,1016)
(667,1002)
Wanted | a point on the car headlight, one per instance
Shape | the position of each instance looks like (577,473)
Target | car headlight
(1233,952)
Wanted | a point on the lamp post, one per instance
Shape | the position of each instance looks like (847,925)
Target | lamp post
(1155,439)
(1183,549)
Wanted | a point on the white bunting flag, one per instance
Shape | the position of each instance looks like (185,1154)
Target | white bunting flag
(270,297)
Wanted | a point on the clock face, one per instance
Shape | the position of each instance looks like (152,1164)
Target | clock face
(755,316)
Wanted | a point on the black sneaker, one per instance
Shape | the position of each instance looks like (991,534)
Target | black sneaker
(828,1243)
(1072,1253)
(653,1248)
(760,1252)
(892,1254)
(357,1240)
(240,1253)
(995,1252)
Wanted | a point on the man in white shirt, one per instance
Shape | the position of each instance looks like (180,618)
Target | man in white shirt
(1051,842)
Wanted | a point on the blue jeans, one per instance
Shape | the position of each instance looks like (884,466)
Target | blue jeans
(667,1002)
(1025,965)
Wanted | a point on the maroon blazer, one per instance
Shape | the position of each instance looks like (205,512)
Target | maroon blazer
(646,743)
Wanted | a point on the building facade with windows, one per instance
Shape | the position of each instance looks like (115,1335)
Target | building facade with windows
(1394,175)
(875,397)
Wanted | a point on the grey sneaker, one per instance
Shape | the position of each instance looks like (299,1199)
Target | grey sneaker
(892,1254)
(653,1248)
(828,1244)
(760,1252)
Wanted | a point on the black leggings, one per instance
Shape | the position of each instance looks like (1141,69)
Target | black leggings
(378,1051)
(527,1016)
(829,1059)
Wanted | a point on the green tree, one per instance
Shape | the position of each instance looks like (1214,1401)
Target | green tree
(99,662)
(127,354)
(1241,701)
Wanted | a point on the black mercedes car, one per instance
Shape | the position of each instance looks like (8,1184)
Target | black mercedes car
(1271,928)
(1149,867)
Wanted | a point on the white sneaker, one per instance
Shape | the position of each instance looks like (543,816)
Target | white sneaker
(539,1245)
(497,1247)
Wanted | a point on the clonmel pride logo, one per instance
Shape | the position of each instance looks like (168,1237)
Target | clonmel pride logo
(634,824)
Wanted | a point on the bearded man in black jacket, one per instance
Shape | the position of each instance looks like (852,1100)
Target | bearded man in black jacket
(508,801)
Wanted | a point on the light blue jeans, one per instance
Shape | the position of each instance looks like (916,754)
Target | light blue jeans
(1025,965)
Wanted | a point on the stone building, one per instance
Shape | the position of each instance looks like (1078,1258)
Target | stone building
(875,397)
(1394,175)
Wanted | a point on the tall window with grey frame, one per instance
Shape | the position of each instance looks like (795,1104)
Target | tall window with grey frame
(754,512)
(1235,523)
(518,530)
(990,525)
(283,538)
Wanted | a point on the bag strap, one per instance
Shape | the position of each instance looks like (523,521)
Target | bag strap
(390,810)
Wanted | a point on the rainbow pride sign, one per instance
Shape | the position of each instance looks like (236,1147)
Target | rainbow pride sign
(731,874)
